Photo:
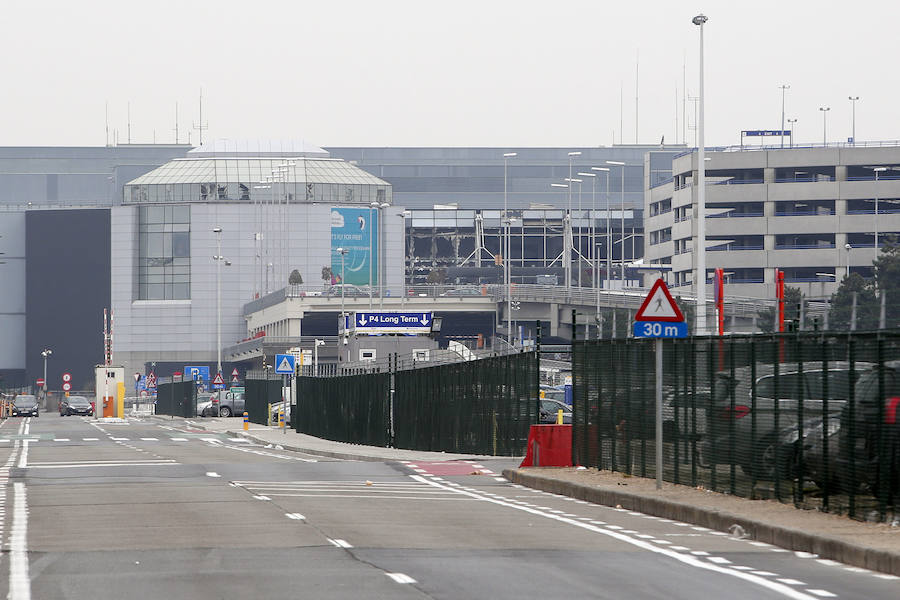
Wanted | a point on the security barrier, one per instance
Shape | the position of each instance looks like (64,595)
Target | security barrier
(811,418)
(178,399)
(259,392)
(482,406)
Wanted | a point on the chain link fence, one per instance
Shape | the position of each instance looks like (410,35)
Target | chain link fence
(810,418)
(352,408)
(260,390)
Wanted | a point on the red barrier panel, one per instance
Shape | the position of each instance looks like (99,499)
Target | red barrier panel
(549,446)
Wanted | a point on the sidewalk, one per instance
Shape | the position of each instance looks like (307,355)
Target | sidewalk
(874,546)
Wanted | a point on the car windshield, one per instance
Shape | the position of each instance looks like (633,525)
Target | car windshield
(24,401)
(78,401)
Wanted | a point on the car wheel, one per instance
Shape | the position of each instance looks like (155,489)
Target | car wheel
(767,463)
(224,411)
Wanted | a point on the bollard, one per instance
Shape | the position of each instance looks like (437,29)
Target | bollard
(559,417)
(246,421)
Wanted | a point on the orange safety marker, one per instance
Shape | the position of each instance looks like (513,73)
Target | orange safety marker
(246,421)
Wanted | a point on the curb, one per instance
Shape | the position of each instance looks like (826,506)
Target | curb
(882,561)
(323,453)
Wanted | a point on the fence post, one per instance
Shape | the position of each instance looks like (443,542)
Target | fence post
(576,409)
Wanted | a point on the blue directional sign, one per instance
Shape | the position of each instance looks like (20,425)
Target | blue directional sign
(660,329)
(200,374)
(285,364)
(388,322)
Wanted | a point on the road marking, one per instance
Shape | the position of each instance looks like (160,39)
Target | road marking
(295,516)
(150,439)
(822,593)
(339,543)
(19,580)
(805,555)
(179,439)
(90,439)
(401,578)
(261,498)
(686,559)
(61,439)
(125,464)
(763,573)
(23,458)
(828,563)
(212,474)
(119,439)
(788,581)
(719,560)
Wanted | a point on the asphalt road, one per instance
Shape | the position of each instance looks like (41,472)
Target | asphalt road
(161,510)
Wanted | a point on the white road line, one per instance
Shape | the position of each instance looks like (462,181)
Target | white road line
(119,439)
(764,573)
(61,439)
(96,462)
(339,543)
(822,593)
(178,439)
(261,498)
(150,439)
(19,580)
(686,559)
(212,474)
(719,560)
(295,516)
(23,458)
(401,578)
(131,464)
(90,439)
(828,563)
(789,581)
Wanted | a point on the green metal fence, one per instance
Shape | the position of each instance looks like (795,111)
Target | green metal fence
(259,392)
(353,408)
(482,406)
(811,418)
(178,399)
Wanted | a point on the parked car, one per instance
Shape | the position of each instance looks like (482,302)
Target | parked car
(25,405)
(223,404)
(75,405)
(869,435)
(349,291)
(463,292)
(549,410)
(275,409)
(756,432)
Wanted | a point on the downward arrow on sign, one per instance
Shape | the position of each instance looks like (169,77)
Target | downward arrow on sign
(424,319)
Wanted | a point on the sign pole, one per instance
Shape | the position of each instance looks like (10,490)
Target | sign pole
(658,344)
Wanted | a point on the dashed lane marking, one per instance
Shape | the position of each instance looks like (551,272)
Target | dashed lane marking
(401,578)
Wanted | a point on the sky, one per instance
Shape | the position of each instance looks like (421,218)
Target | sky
(497,73)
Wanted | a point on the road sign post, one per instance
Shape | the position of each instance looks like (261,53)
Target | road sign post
(659,318)
(285,364)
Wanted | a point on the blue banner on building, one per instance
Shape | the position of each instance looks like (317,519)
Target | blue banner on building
(356,231)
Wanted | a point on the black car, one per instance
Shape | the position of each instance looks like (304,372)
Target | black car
(549,410)
(75,405)
(25,405)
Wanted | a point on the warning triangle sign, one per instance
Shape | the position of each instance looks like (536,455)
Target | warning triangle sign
(234,372)
(218,379)
(659,305)
(285,366)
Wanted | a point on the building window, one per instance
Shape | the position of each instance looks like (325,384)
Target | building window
(164,253)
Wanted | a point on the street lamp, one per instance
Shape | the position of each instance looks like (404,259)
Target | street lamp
(46,352)
(792,126)
(591,229)
(784,88)
(316,356)
(853,100)
(507,246)
(218,258)
(608,231)
(567,251)
(343,252)
(824,110)
(571,220)
(572,156)
(700,276)
(621,164)
(374,204)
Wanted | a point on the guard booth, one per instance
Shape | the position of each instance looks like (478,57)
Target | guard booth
(110,394)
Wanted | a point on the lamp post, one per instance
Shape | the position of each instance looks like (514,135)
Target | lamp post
(507,245)
(824,110)
(853,100)
(571,220)
(567,252)
(608,231)
(46,352)
(847,247)
(621,165)
(343,252)
(572,156)
(218,258)
(591,231)
(784,88)
(316,356)
(380,244)
(792,126)
(700,276)
(372,239)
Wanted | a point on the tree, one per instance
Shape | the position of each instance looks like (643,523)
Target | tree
(295,278)
(767,318)
(437,276)
(689,310)
(327,275)
(887,279)
(842,304)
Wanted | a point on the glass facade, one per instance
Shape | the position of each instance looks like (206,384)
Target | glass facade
(164,256)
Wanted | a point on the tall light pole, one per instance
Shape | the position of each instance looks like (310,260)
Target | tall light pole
(381,255)
(621,165)
(608,232)
(853,100)
(46,352)
(218,258)
(592,260)
(877,171)
(572,180)
(507,246)
(567,252)
(793,127)
(343,252)
(784,88)
(572,156)
(372,241)
(700,276)
(824,110)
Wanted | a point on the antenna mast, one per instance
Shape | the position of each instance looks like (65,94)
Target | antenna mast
(201,125)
